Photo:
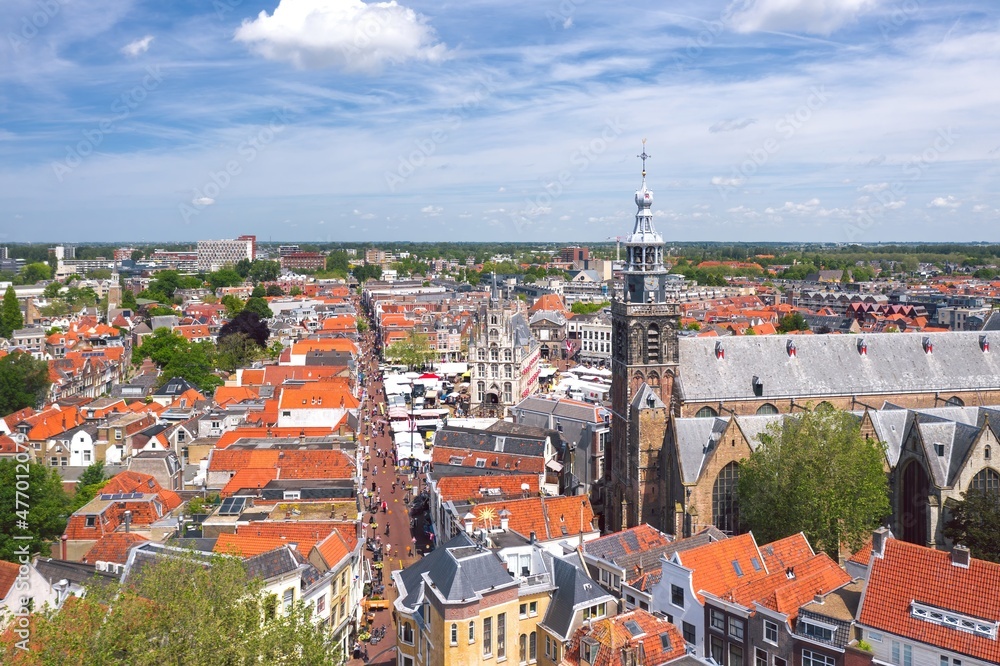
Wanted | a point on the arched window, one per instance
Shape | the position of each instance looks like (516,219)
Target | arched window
(494,370)
(706,412)
(653,343)
(508,394)
(508,371)
(507,355)
(653,380)
(482,354)
(955,401)
(987,452)
(493,319)
(987,480)
(494,354)
(522,648)
(481,390)
(767,408)
(725,512)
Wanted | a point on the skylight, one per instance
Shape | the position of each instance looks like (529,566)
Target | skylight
(633,628)
(737,568)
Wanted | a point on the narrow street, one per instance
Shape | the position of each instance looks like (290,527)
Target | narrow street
(400,544)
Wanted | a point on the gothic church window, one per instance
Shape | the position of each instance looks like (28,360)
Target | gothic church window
(725,511)
(705,413)
(987,481)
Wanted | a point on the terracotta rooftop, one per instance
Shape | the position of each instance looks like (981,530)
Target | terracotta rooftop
(113,547)
(907,574)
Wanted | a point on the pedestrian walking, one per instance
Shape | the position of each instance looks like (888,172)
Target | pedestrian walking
(393,487)
(387,528)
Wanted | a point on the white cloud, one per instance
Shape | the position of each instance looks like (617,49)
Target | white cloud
(791,207)
(431,211)
(138,47)
(944,202)
(726,182)
(502,189)
(731,125)
(874,187)
(203,201)
(347,34)
(894,205)
(819,17)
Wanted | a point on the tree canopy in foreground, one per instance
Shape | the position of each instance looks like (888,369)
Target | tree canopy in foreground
(815,473)
(975,523)
(181,611)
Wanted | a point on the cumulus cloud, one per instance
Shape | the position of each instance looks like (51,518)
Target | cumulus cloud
(874,187)
(791,207)
(818,17)
(731,125)
(138,47)
(347,34)
(726,182)
(944,202)
(431,211)
(203,201)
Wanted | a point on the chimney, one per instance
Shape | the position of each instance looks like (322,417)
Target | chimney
(960,557)
(469,520)
(62,543)
(128,521)
(879,538)
(504,519)
(531,536)
(862,347)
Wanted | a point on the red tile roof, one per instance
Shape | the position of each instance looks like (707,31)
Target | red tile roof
(787,552)
(8,574)
(245,545)
(548,517)
(712,564)
(442,455)
(910,573)
(472,487)
(113,547)
(613,637)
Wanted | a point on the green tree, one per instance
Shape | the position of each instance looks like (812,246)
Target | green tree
(975,523)
(414,351)
(233,304)
(89,485)
(815,473)
(794,321)
(588,308)
(259,307)
(237,351)
(182,609)
(24,382)
(11,318)
(44,506)
(260,292)
(295,291)
(34,273)
(243,267)
(338,262)
(264,271)
(128,300)
(161,347)
(274,290)
(227,277)
(367,272)
(196,364)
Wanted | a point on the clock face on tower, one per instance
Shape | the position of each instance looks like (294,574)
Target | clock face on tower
(650,284)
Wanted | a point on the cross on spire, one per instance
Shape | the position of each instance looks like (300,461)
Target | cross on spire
(643,156)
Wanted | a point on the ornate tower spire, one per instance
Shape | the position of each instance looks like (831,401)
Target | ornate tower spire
(644,245)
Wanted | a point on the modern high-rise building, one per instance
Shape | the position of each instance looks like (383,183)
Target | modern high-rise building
(644,359)
(215,254)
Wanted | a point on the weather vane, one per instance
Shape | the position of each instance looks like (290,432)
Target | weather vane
(644,157)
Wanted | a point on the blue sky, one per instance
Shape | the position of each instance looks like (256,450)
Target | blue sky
(327,120)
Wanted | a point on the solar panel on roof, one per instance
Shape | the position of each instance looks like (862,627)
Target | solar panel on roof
(232,506)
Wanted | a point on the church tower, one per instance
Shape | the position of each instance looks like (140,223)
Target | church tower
(644,324)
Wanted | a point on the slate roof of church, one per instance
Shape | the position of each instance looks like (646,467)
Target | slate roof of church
(833,365)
